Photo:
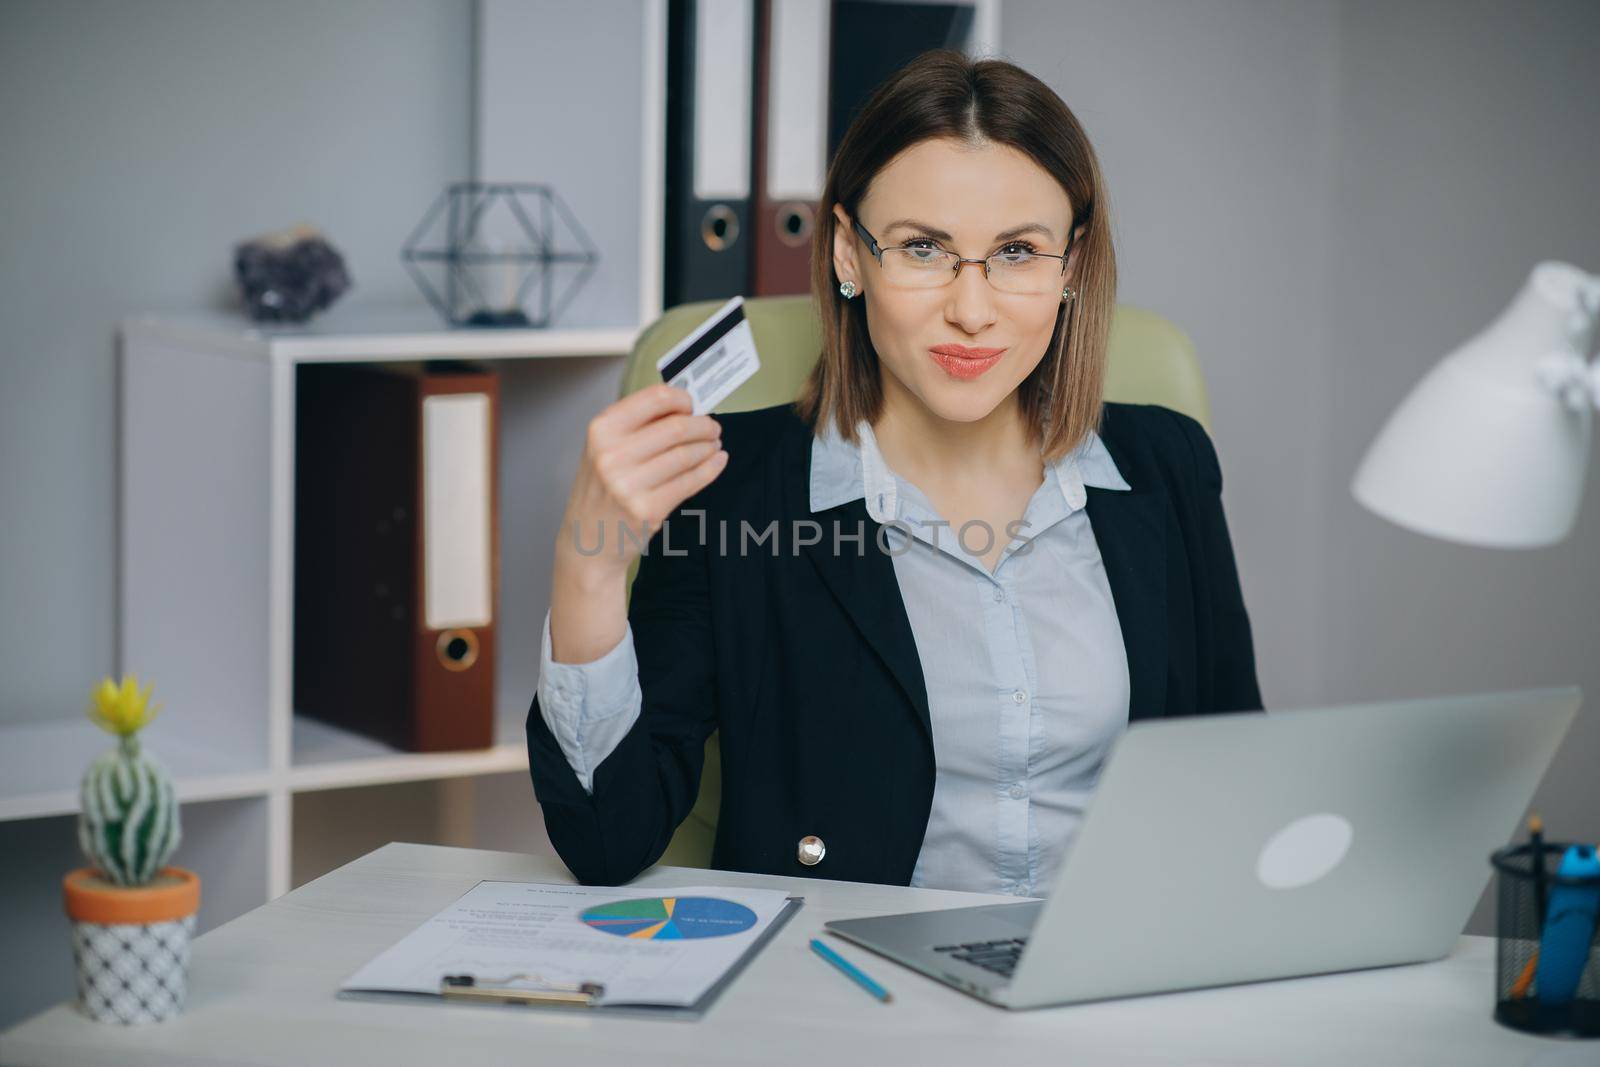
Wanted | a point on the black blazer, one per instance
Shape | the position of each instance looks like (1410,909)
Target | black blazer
(805,660)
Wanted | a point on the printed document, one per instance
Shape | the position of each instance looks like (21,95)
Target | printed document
(652,946)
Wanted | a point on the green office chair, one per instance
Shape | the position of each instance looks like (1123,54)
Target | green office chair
(1150,361)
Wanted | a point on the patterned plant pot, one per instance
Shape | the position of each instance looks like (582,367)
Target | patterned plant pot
(131,944)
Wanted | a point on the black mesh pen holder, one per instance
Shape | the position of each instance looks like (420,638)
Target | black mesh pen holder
(1568,966)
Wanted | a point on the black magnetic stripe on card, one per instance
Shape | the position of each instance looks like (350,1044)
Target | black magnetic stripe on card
(705,341)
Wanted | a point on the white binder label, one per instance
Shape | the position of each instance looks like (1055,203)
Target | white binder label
(457,586)
(797,100)
(722,83)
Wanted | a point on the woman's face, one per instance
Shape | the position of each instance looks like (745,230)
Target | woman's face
(972,195)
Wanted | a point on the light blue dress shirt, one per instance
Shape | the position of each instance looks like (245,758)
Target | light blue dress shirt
(1024,667)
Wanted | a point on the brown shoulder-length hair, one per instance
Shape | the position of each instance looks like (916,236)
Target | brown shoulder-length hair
(944,93)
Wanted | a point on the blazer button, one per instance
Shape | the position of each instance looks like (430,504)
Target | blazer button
(812,850)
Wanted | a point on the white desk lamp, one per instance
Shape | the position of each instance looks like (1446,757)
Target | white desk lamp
(1492,446)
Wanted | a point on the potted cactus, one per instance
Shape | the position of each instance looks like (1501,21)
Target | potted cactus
(132,916)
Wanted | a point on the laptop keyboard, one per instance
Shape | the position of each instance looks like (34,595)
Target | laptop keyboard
(997,956)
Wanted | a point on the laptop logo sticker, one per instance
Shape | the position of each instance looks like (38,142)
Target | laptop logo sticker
(1305,851)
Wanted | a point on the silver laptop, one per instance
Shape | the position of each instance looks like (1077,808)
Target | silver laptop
(1234,848)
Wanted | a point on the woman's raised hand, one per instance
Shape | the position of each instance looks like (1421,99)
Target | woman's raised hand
(643,456)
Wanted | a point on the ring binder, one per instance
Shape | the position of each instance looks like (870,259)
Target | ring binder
(397,552)
(790,141)
(710,45)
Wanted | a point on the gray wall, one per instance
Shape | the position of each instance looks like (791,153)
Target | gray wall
(1329,196)
(1467,153)
(1212,122)
(139,142)
(528,129)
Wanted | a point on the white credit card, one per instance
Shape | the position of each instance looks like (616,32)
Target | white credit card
(714,360)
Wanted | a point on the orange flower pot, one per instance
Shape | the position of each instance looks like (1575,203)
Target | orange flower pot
(131,943)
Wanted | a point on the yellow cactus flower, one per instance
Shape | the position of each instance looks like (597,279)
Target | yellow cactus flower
(122,710)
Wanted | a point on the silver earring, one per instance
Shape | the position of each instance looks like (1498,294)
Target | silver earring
(847,289)
(1068,294)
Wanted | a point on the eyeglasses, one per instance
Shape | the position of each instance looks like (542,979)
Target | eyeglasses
(1025,271)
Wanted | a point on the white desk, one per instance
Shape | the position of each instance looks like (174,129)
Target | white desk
(262,992)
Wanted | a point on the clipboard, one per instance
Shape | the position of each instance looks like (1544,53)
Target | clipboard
(526,991)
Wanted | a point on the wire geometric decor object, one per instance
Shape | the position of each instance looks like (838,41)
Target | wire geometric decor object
(488,254)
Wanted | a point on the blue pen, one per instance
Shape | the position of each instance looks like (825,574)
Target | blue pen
(850,970)
(1568,926)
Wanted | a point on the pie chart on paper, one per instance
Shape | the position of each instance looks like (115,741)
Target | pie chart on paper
(670,918)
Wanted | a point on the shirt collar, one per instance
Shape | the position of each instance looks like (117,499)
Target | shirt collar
(841,471)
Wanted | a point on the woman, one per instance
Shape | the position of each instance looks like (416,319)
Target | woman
(922,601)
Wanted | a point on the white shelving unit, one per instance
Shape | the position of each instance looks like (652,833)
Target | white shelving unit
(205,588)
(206,569)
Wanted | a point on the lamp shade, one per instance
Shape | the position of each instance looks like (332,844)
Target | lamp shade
(1491,447)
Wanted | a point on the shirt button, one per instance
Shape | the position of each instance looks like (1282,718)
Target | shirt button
(1019,697)
(1018,792)
(811,850)
(999,596)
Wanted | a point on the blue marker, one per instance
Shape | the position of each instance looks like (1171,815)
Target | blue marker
(1569,926)
(851,971)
